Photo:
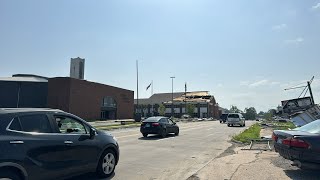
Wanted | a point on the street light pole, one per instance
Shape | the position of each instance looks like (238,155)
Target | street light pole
(172,97)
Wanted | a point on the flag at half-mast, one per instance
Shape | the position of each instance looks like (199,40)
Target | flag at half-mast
(149,86)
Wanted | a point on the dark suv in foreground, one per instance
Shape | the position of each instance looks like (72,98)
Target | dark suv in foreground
(52,144)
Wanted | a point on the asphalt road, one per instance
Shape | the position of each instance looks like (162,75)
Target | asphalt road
(174,157)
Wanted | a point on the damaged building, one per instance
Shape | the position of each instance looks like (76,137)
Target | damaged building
(204,103)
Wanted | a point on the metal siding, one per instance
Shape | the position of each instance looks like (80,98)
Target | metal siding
(32,94)
(8,94)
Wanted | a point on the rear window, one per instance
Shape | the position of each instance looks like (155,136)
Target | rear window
(233,116)
(35,123)
(152,119)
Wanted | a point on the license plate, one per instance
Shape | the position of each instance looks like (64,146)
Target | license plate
(147,125)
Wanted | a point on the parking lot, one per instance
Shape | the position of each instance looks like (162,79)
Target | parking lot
(172,157)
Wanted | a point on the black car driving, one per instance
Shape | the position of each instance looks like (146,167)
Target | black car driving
(52,144)
(300,145)
(159,125)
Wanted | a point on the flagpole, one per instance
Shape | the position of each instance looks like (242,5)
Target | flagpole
(151,95)
(151,87)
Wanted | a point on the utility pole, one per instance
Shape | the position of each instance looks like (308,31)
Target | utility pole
(185,97)
(138,112)
(172,97)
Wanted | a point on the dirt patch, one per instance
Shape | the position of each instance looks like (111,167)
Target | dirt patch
(230,151)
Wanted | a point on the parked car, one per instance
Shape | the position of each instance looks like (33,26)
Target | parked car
(223,118)
(52,144)
(300,145)
(236,119)
(159,125)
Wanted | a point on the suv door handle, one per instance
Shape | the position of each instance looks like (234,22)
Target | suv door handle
(16,142)
(68,142)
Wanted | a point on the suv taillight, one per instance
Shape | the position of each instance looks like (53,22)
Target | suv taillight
(293,142)
(155,124)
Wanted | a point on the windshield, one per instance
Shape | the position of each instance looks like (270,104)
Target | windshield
(233,116)
(313,127)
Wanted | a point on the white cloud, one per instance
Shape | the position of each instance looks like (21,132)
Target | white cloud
(297,40)
(259,83)
(263,82)
(317,6)
(279,27)
(244,83)
(275,83)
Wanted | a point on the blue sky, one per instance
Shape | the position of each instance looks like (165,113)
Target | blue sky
(244,52)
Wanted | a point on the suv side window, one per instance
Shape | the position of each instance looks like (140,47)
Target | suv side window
(15,125)
(34,123)
(165,120)
(170,122)
(68,125)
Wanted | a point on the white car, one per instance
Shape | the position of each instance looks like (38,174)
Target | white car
(236,119)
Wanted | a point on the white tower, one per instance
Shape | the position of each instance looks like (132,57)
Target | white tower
(77,68)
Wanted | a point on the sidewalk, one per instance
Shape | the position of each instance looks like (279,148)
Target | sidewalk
(237,164)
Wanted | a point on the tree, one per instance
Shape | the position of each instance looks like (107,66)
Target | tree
(268,116)
(272,111)
(162,110)
(250,113)
(234,109)
(190,109)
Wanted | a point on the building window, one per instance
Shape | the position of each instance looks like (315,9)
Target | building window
(109,102)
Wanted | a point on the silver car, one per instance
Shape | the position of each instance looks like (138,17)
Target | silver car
(236,119)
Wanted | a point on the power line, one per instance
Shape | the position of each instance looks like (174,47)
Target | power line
(303,91)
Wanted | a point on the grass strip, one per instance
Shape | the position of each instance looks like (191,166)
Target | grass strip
(251,133)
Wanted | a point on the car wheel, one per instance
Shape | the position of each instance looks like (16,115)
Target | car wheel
(9,175)
(163,133)
(220,122)
(229,125)
(145,135)
(244,124)
(177,133)
(107,164)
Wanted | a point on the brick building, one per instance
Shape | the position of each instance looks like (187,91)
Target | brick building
(90,100)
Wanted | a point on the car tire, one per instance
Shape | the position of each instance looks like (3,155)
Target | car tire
(107,164)
(145,135)
(229,125)
(163,133)
(177,133)
(9,175)
(220,122)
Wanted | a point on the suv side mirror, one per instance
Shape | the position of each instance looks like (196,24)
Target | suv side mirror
(92,133)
